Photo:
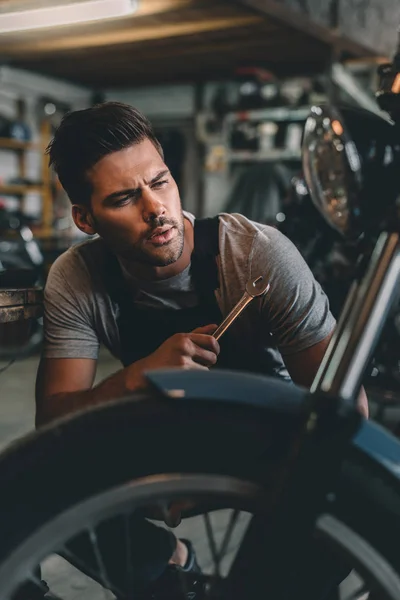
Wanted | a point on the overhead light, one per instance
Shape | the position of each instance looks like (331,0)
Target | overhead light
(65,14)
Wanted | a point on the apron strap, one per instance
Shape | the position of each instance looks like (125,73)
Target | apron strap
(204,268)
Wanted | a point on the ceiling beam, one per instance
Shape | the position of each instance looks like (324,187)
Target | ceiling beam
(261,44)
(167,66)
(156,49)
(130,34)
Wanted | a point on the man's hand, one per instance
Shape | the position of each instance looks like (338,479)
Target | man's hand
(195,350)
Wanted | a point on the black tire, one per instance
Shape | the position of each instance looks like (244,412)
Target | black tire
(60,467)
(49,471)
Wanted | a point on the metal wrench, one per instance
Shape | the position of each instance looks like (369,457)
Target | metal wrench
(254,288)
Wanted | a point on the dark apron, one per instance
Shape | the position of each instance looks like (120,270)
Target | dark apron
(142,330)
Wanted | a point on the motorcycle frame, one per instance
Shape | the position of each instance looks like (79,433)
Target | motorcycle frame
(360,324)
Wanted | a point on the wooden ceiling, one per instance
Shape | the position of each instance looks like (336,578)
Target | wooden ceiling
(165,41)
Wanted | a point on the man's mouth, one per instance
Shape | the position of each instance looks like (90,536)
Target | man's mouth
(161,235)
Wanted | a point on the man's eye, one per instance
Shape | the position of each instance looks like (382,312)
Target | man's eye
(160,184)
(122,201)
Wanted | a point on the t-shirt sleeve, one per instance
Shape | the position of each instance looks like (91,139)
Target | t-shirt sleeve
(68,322)
(296,309)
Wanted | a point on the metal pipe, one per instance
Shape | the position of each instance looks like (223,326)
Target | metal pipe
(340,327)
(361,322)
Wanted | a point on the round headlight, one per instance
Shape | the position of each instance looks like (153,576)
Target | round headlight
(332,167)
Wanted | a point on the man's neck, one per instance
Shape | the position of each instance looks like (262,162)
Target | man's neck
(147,272)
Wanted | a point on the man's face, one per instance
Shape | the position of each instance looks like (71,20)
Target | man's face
(135,206)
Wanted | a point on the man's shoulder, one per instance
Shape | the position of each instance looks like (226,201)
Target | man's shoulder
(79,266)
(89,253)
(248,248)
(240,232)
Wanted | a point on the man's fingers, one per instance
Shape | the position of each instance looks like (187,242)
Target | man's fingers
(204,357)
(206,330)
(197,366)
(205,341)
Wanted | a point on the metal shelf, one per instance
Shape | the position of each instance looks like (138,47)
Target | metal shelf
(271,114)
(262,156)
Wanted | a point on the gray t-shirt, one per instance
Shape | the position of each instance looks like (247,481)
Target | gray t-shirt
(294,315)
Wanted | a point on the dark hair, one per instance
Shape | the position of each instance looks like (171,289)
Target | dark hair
(85,136)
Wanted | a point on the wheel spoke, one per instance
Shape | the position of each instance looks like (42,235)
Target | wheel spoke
(212,544)
(228,534)
(100,563)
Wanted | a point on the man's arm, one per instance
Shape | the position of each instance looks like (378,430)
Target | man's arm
(303,367)
(68,366)
(64,385)
(296,310)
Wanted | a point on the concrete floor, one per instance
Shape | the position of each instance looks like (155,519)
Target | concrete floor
(17,418)
(17,405)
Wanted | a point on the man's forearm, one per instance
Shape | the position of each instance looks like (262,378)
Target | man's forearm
(116,386)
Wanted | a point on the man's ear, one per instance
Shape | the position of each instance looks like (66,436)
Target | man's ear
(83,219)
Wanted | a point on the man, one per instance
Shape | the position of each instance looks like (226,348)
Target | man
(154,283)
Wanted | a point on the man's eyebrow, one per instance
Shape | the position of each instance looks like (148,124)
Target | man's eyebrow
(134,191)
(159,176)
(121,194)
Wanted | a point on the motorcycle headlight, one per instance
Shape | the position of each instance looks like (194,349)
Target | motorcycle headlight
(332,167)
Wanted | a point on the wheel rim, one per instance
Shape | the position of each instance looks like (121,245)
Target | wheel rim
(125,499)
(226,492)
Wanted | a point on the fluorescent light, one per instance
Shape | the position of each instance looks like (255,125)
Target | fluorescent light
(66,14)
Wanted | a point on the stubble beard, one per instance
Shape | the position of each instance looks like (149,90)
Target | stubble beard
(163,255)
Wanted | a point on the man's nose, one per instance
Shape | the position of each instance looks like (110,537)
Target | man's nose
(153,208)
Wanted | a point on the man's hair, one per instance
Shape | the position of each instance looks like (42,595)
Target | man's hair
(86,136)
